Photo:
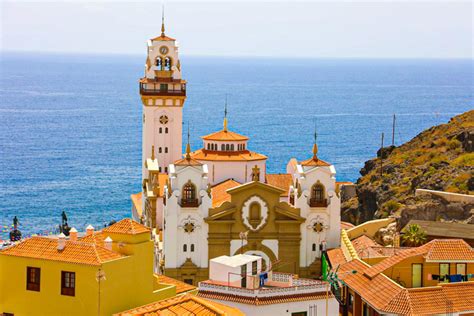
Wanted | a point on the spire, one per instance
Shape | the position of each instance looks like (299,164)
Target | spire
(188,147)
(315,145)
(152,152)
(225,114)
(163,20)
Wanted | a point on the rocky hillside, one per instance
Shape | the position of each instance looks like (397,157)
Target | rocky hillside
(440,158)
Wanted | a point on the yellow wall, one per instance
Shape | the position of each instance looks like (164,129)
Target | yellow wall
(129,283)
(403,270)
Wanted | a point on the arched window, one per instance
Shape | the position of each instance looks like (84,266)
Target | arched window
(166,169)
(160,150)
(222,147)
(159,63)
(255,211)
(243,146)
(189,195)
(166,130)
(192,247)
(232,147)
(185,248)
(208,146)
(314,247)
(159,169)
(227,147)
(166,150)
(161,130)
(317,195)
(168,63)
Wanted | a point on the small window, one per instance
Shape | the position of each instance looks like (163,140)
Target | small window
(299,314)
(68,283)
(188,281)
(443,271)
(185,248)
(164,87)
(192,247)
(461,268)
(227,147)
(159,169)
(416,275)
(160,150)
(314,247)
(254,267)
(208,146)
(33,279)
(232,147)
(161,130)
(166,169)
(166,150)
(222,147)
(166,130)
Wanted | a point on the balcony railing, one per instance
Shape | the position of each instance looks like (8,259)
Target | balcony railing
(163,92)
(189,202)
(311,286)
(313,202)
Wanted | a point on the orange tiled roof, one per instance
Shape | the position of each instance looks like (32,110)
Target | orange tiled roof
(246,155)
(225,135)
(187,162)
(278,299)
(219,192)
(312,162)
(163,38)
(389,297)
(137,202)
(183,305)
(346,225)
(336,257)
(181,287)
(435,250)
(127,226)
(363,246)
(96,237)
(74,252)
(282,181)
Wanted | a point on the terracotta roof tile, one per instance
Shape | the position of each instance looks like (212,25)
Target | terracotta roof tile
(126,226)
(163,38)
(96,238)
(219,192)
(225,135)
(246,155)
(450,249)
(336,257)
(184,305)
(278,299)
(282,181)
(346,225)
(74,252)
(312,162)
(180,286)
(187,161)
(364,247)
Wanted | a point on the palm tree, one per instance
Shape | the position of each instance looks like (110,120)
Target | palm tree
(413,236)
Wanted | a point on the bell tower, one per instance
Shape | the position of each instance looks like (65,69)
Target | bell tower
(163,92)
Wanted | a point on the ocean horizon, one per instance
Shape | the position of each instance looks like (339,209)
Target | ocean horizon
(71,132)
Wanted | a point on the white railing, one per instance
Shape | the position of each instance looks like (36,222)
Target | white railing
(263,292)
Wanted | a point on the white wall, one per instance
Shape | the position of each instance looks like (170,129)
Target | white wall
(240,171)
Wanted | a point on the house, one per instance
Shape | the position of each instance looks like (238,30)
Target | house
(241,281)
(100,274)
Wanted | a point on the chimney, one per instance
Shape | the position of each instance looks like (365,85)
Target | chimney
(73,234)
(89,230)
(61,241)
(108,243)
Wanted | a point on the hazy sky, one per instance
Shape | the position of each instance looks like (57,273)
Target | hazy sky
(426,29)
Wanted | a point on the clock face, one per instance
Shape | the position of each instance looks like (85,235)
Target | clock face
(163,50)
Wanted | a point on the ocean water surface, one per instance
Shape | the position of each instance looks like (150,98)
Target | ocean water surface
(71,124)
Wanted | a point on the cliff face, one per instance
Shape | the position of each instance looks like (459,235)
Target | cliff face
(440,158)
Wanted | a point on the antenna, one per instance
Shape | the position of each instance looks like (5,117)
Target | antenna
(163,19)
(381,160)
(393,131)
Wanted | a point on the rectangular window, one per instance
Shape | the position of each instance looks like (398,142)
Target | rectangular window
(299,314)
(164,87)
(243,275)
(461,268)
(416,275)
(443,271)
(68,283)
(188,281)
(254,267)
(33,276)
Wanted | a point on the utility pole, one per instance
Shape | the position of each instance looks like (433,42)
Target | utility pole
(381,159)
(393,131)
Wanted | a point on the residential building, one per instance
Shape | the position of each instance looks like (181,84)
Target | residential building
(242,282)
(100,274)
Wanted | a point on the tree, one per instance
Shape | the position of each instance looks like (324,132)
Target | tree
(413,236)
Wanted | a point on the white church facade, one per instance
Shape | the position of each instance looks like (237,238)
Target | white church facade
(220,200)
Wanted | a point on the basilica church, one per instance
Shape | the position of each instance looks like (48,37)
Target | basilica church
(220,200)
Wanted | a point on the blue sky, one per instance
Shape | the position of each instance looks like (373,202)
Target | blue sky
(335,29)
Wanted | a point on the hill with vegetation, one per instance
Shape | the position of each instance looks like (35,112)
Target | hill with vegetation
(439,158)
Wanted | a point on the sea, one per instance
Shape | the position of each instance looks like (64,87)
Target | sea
(70,132)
